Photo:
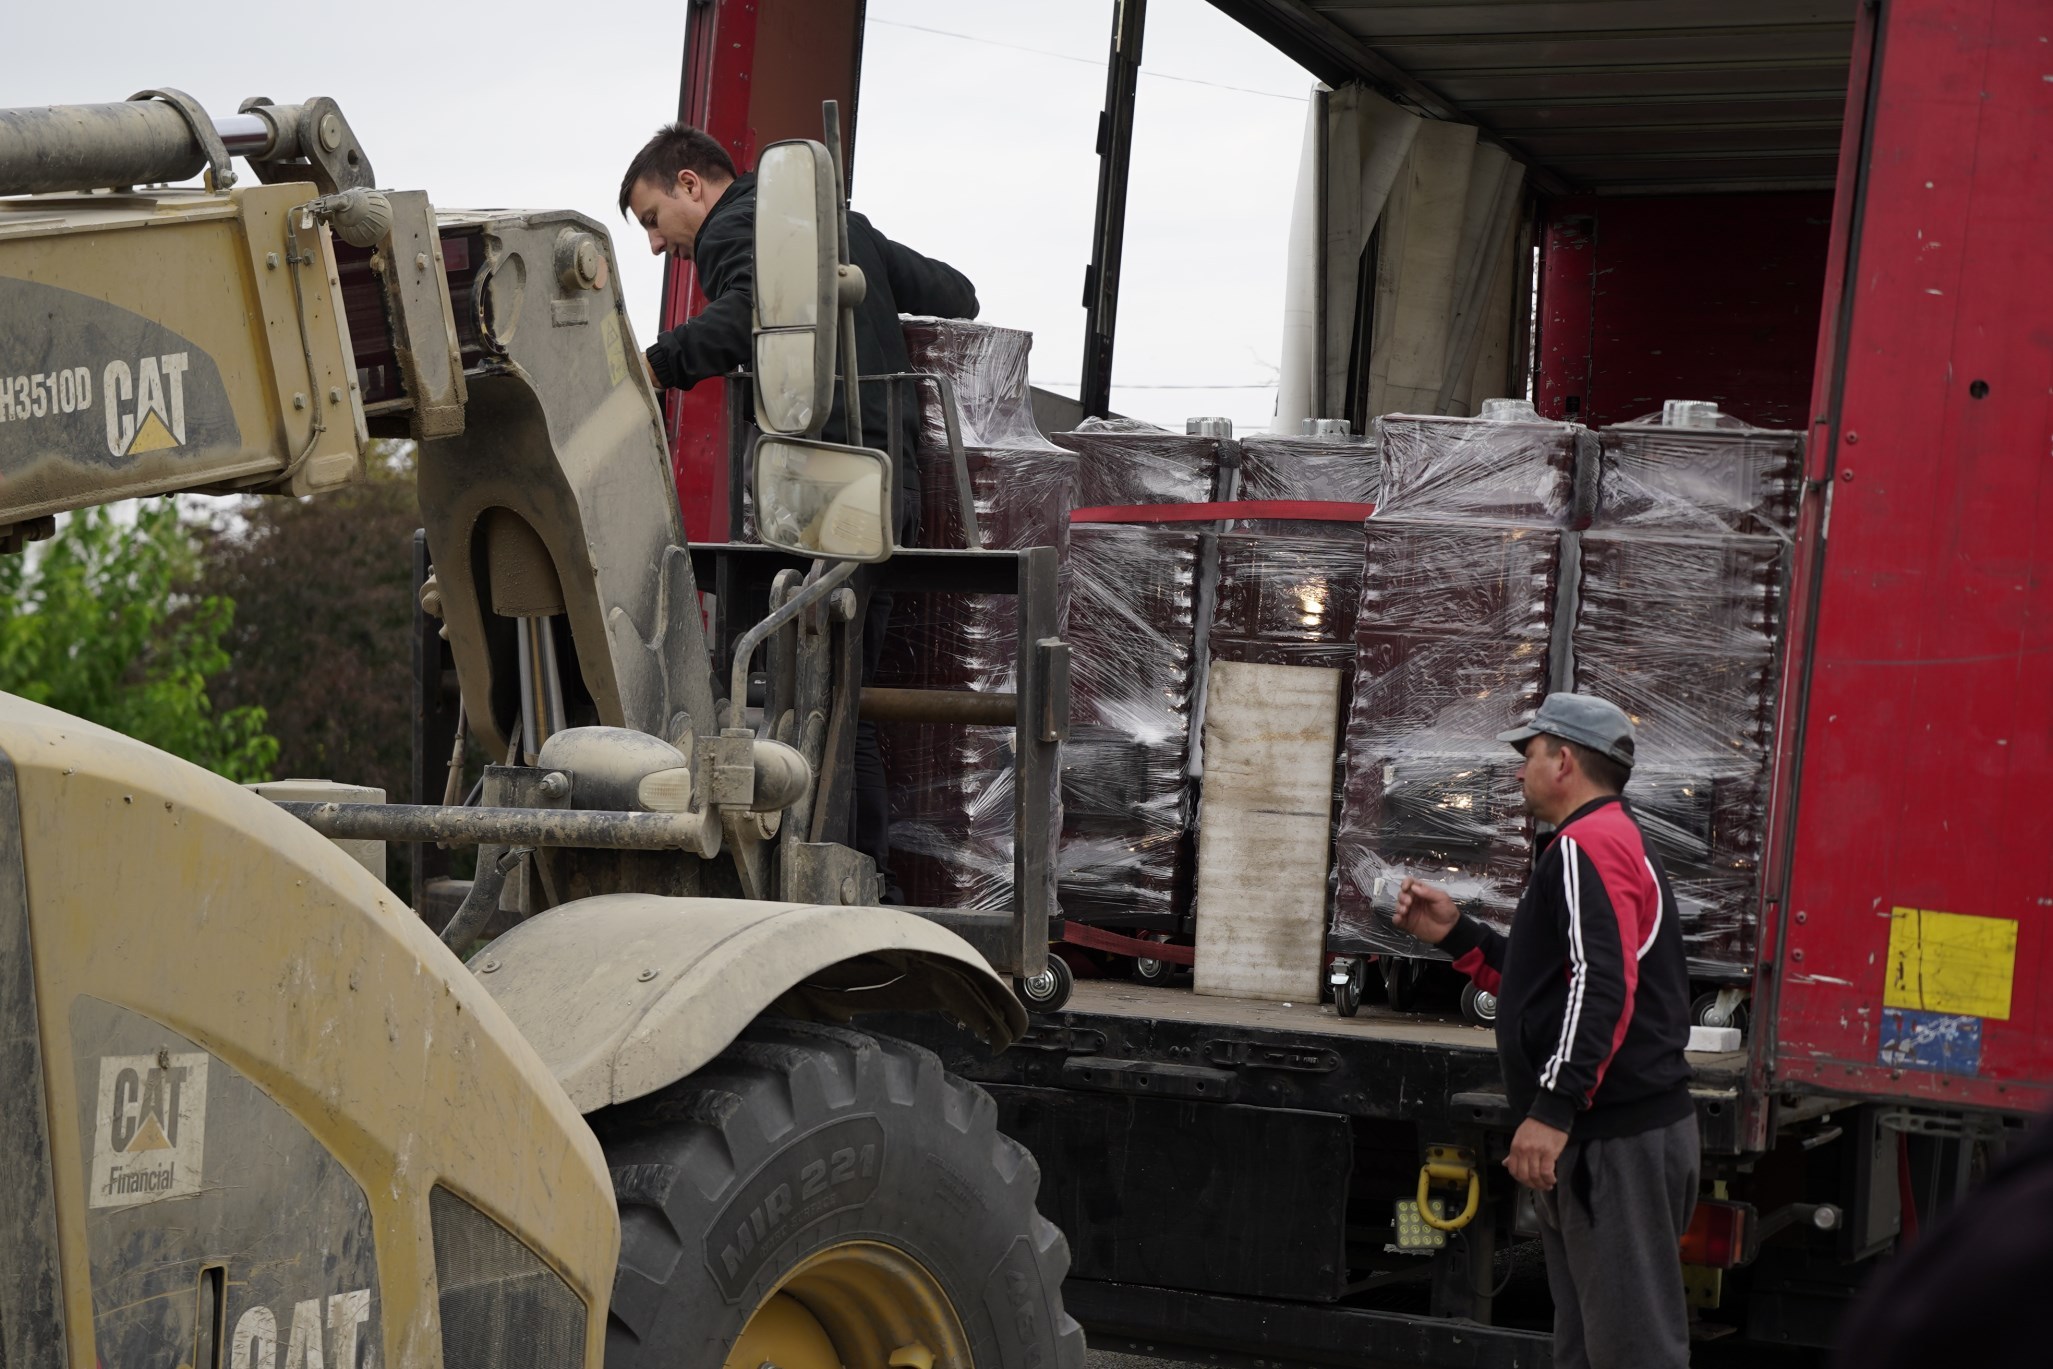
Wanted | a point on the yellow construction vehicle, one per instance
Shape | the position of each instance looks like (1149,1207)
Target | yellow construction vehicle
(258,1115)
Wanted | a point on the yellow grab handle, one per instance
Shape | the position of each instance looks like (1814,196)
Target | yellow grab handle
(1428,1173)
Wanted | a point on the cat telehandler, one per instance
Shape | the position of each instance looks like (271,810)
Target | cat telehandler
(259,1114)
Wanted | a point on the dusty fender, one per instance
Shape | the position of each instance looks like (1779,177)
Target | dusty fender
(626,993)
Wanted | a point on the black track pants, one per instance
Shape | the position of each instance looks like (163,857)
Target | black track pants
(1611,1226)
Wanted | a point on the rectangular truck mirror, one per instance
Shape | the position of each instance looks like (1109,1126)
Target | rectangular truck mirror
(797,293)
(820,499)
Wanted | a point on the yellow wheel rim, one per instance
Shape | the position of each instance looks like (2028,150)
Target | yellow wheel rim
(860,1304)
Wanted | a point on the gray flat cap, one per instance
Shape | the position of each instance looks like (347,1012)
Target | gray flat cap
(1596,723)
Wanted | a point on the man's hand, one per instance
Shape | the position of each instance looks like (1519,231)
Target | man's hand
(1534,1149)
(1424,911)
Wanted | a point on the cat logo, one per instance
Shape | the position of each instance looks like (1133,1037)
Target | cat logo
(146,406)
(149,1129)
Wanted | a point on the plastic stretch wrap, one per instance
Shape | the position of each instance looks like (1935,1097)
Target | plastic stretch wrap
(1452,647)
(1024,497)
(1731,480)
(1682,633)
(1126,799)
(1340,470)
(1288,600)
(1479,468)
(988,367)
(950,786)
(1125,461)
(1135,609)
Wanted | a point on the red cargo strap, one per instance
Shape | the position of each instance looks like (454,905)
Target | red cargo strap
(1101,939)
(1304,510)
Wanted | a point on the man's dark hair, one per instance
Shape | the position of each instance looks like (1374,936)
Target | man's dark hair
(1607,774)
(675,148)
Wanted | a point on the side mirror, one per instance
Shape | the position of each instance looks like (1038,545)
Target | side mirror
(823,500)
(797,286)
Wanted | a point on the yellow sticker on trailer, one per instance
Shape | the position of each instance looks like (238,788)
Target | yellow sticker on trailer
(1950,963)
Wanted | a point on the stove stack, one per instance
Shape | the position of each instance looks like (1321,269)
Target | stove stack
(1138,601)
(951,786)
(1454,643)
(1681,603)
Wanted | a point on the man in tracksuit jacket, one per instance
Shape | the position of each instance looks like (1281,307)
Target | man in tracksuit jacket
(1593,1006)
(682,189)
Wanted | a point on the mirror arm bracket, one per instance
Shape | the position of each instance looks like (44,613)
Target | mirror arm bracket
(830,116)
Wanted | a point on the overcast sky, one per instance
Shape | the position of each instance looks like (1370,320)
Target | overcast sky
(976,143)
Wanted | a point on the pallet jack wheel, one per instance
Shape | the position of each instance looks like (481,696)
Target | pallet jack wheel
(1478,1005)
(1147,970)
(1048,990)
(1726,1007)
(1347,995)
(1401,976)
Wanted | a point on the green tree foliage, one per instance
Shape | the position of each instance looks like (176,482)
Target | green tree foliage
(103,622)
(324,612)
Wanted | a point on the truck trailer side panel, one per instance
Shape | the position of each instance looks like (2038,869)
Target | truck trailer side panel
(1917,926)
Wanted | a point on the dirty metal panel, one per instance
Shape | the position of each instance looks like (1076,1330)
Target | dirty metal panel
(1118,1176)
(190,1168)
(32,1334)
(1260,1334)
(1917,925)
(415,276)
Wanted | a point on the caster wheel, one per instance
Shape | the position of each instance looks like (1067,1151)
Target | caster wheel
(1720,1008)
(1347,995)
(1148,970)
(1479,1005)
(1048,990)
(1401,981)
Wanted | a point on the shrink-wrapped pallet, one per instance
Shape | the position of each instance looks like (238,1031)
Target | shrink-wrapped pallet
(1135,667)
(987,365)
(1342,470)
(1288,600)
(1123,462)
(1683,632)
(1723,479)
(1681,611)
(1287,588)
(951,786)
(1516,470)
(1451,647)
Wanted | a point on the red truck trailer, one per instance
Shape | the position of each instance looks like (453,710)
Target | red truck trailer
(1834,216)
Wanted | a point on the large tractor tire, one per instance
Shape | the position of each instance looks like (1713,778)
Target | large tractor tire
(818,1197)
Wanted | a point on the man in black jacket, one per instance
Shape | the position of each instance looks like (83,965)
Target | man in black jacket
(682,189)
(1593,1005)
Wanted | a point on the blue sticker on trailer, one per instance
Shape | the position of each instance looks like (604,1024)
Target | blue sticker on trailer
(1931,1041)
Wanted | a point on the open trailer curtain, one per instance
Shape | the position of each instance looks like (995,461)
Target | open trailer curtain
(1441,310)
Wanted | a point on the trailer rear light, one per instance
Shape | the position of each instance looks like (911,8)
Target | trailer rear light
(1717,1234)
